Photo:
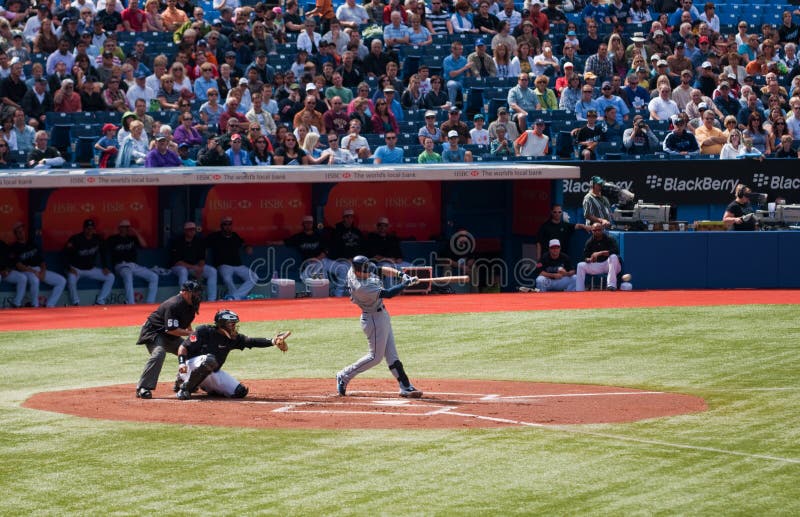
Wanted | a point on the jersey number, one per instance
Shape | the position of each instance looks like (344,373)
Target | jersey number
(173,324)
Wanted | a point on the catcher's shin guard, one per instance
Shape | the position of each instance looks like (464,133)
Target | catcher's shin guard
(200,373)
(399,373)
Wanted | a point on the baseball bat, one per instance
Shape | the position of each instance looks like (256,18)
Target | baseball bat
(463,278)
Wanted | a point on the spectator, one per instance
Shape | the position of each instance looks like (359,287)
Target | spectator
(587,137)
(383,120)
(601,254)
(186,133)
(375,63)
(545,97)
(236,155)
(756,133)
(454,122)
(503,119)
(352,15)
(66,100)
(172,17)
(36,102)
(480,62)
(261,155)
(522,63)
(161,155)
(412,97)
(594,12)
(456,68)
(396,33)
(501,56)
(188,256)
(81,255)
(510,15)
(451,152)
(183,153)
(679,140)
(354,142)
(663,107)
(640,139)
(786,148)
(600,63)
(107,145)
(134,147)
(532,142)
(500,145)
(27,259)
(478,135)
(586,103)
(428,155)
(709,138)
(733,148)
(436,98)
(43,156)
(612,129)
(389,153)
(290,153)
(212,154)
(23,133)
(335,155)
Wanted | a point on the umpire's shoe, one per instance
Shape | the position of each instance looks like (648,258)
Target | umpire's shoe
(143,393)
(184,395)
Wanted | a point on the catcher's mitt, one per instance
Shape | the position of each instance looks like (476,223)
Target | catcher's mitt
(280,340)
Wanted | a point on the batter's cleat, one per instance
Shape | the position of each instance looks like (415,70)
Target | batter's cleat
(611,288)
(183,395)
(410,392)
(143,393)
(341,385)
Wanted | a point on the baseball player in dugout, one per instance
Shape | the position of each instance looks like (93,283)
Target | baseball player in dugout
(30,262)
(202,354)
(122,249)
(602,257)
(81,255)
(313,249)
(556,227)
(367,291)
(225,246)
(163,332)
(596,207)
(188,255)
(556,272)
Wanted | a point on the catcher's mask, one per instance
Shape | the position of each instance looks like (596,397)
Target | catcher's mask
(226,319)
(195,288)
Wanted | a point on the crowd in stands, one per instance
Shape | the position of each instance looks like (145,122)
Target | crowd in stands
(232,83)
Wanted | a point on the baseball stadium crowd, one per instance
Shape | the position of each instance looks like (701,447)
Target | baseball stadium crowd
(232,82)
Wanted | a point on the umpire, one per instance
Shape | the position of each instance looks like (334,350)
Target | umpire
(164,331)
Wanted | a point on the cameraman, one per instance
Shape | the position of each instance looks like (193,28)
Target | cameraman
(640,139)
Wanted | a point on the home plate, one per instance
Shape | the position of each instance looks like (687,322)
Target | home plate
(391,402)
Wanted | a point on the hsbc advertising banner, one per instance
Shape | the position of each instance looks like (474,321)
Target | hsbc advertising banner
(690,182)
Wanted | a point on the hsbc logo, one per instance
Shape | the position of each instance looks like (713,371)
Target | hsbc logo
(418,201)
(136,206)
(370,202)
(245,204)
(294,203)
(6,209)
(654,181)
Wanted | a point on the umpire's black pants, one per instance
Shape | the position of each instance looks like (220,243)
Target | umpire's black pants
(158,351)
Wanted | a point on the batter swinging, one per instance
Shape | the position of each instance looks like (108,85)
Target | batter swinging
(366,291)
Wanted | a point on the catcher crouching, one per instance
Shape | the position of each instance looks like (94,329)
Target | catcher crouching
(202,354)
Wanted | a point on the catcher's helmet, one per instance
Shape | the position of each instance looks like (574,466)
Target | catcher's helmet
(361,263)
(192,286)
(225,317)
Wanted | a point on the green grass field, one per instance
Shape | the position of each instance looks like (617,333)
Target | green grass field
(741,457)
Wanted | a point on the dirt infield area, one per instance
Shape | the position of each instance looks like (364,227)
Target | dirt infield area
(375,404)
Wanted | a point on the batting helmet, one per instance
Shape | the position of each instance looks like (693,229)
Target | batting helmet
(361,263)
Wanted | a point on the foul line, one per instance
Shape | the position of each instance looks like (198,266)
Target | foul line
(628,438)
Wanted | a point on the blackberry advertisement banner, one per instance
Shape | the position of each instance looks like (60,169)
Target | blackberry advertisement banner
(691,181)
